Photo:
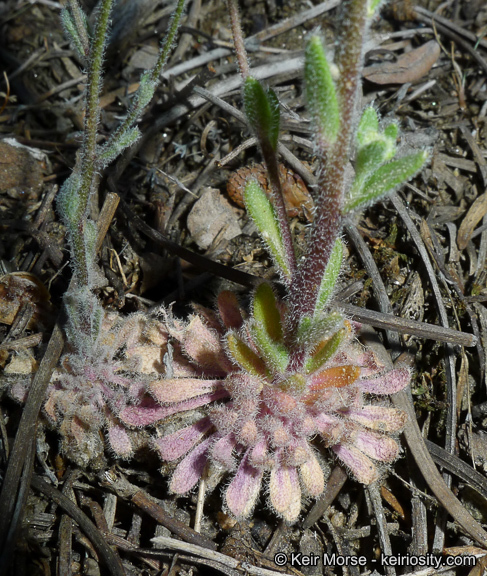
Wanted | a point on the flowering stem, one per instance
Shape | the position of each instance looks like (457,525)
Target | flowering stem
(266,146)
(331,182)
(88,162)
(242,59)
(150,81)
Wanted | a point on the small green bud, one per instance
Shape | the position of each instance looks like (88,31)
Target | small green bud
(368,127)
(262,111)
(320,91)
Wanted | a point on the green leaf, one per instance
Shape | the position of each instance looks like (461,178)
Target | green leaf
(368,127)
(313,330)
(275,354)
(330,277)
(372,8)
(114,147)
(372,156)
(245,356)
(71,33)
(75,24)
(320,91)
(147,88)
(264,216)
(68,201)
(266,313)
(369,159)
(391,131)
(326,350)
(385,179)
(262,111)
(266,328)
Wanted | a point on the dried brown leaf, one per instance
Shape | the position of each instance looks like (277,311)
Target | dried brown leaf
(408,67)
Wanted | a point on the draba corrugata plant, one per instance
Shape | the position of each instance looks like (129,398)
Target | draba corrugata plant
(107,358)
(261,392)
(290,377)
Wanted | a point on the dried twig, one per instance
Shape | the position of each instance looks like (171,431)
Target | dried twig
(109,557)
(172,544)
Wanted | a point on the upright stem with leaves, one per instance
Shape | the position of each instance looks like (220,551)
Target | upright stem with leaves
(291,372)
(83,309)
(335,118)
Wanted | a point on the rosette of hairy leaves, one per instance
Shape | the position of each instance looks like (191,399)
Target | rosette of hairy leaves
(264,417)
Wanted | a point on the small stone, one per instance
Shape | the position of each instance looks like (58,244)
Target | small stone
(21,168)
(212,216)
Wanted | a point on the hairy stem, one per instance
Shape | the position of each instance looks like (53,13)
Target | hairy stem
(140,101)
(331,181)
(272,166)
(242,59)
(88,160)
(169,40)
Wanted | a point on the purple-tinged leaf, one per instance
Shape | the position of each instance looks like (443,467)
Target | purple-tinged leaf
(190,469)
(378,418)
(149,412)
(291,513)
(361,466)
(120,442)
(229,310)
(173,446)
(222,451)
(168,391)
(389,383)
(312,477)
(243,490)
(204,347)
(376,445)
